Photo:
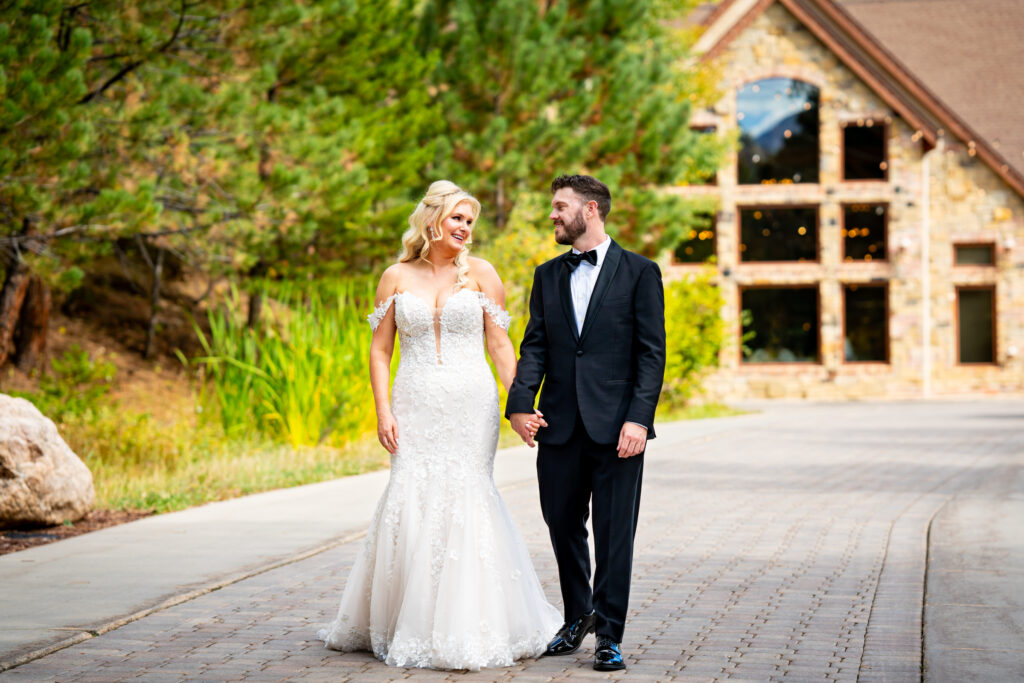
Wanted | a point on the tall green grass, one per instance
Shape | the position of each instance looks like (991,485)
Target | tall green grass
(301,377)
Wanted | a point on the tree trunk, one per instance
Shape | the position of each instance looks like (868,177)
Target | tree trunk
(33,324)
(255,287)
(154,303)
(12,296)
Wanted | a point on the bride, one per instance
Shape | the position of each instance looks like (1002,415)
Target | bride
(443,579)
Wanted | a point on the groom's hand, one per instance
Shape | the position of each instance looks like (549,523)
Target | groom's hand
(527,424)
(632,440)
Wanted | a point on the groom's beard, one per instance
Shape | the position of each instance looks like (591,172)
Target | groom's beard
(567,234)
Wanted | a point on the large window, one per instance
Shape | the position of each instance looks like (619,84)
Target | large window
(778,120)
(864,151)
(780,324)
(698,244)
(779,234)
(865,323)
(864,232)
(976,324)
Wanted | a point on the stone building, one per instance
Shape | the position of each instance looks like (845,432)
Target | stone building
(869,236)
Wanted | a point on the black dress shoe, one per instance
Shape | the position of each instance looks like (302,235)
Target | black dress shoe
(608,656)
(570,636)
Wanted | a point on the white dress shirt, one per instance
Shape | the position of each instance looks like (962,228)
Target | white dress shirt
(583,279)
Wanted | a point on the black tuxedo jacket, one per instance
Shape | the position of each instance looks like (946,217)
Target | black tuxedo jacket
(610,373)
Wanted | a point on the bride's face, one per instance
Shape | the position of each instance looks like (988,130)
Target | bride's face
(457,228)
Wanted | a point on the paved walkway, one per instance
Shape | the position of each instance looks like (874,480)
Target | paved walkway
(786,545)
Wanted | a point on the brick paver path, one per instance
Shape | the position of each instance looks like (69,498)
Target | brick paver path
(789,545)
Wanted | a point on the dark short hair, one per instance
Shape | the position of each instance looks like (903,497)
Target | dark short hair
(591,189)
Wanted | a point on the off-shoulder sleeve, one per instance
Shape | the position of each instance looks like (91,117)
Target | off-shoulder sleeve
(379,312)
(498,314)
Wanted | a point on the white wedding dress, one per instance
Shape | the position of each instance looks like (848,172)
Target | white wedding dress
(443,579)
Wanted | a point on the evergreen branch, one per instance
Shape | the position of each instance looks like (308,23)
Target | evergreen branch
(31,241)
(104,58)
(133,65)
(121,73)
(177,29)
(67,15)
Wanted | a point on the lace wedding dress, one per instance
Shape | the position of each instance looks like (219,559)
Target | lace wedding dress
(443,579)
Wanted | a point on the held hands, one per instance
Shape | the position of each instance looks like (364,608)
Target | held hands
(387,432)
(527,424)
(632,440)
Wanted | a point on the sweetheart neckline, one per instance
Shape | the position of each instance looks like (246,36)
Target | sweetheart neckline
(497,313)
(437,308)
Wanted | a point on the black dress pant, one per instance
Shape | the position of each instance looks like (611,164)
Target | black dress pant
(573,478)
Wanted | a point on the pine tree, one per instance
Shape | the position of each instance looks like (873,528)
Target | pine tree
(100,100)
(248,140)
(42,61)
(333,124)
(531,90)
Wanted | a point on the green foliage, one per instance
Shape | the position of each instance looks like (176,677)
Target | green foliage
(300,379)
(139,462)
(695,333)
(268,141)
(332,129)
(76,385)
(531,90)
(746,323)
(171,467)
(42,144)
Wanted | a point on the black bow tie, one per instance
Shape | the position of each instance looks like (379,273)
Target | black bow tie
(573,260)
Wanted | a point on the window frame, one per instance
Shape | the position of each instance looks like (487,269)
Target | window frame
(995,326)
(875,121)
(819,360)
(714,247)
(885,227)
(991,244)
(888,312)
(741,207)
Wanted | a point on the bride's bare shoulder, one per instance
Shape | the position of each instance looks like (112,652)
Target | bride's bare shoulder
(482,271)
(391,279)
(487,280)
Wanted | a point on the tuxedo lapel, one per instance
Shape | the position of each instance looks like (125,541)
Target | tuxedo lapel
(565,294)
(604,279)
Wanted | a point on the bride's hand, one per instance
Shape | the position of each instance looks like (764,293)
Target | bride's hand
(387,432)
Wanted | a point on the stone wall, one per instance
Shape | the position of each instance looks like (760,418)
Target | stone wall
(966,202)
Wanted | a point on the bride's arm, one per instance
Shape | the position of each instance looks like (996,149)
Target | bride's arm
(499,346)
(382,347)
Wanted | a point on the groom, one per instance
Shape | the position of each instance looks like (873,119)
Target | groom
(596,339)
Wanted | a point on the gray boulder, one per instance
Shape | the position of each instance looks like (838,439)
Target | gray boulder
(42,481)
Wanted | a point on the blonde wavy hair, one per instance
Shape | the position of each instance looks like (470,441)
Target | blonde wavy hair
(425,225)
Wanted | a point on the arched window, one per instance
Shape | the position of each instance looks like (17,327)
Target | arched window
(778,119)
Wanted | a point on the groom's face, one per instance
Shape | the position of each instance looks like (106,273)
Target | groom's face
(567,215)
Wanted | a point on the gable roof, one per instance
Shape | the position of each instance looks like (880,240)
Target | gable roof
(945,66)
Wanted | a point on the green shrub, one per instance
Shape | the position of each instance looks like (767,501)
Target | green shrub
(301,378)
(75,385)
(694,332)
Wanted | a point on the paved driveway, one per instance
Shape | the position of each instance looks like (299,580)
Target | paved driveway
(785,545)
